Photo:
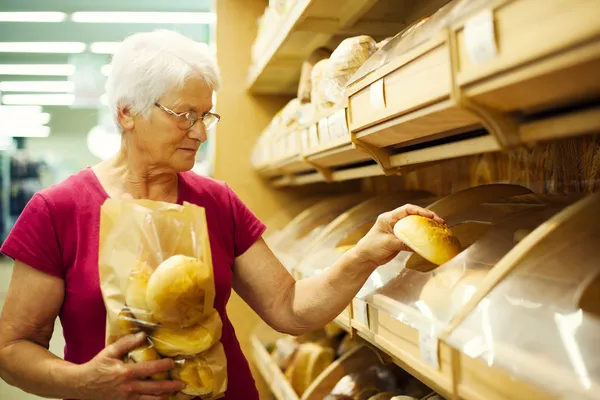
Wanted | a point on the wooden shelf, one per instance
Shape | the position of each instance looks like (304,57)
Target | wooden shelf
(310,24)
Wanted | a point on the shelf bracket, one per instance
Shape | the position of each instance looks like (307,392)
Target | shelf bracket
(379,154)
(326,172)
(503,126)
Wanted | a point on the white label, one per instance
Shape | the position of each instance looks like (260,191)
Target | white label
(360,312)
(377,95)
(313,136)
(429,345)
(323,130)
(480,38)
(304,139)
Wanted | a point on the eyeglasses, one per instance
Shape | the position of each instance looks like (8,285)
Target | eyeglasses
(185,120)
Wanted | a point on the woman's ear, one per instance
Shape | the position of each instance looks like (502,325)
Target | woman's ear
(126,119)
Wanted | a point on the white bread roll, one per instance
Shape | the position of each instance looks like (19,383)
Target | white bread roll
(177,290)
(430,239)
(189,341)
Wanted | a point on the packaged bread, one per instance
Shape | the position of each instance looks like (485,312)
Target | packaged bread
(156,276)
(305,85)
(345,60)
(317,93)
(309,362)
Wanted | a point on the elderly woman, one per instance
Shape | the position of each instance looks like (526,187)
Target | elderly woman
(160,91)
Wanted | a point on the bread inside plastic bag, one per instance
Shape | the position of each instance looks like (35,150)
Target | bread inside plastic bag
(156,276)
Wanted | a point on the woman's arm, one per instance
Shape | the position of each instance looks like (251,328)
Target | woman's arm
(297,307)
(26,324)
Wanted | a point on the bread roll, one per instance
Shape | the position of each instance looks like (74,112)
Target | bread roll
(177,290)
(382,396)
(147,352)
(126,321)
(188,341)
(204,374)
(429,238)
(135,294)
(310,361)
(447,291)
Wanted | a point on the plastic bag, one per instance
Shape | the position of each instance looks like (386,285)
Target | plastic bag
(156,276)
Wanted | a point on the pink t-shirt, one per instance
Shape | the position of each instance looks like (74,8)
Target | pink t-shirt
(58,231)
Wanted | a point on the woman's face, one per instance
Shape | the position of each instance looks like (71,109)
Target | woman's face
(161,140)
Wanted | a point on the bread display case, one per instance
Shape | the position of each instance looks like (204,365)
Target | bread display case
(404,93)
(297,237)
(345,231)
(529,55)
(407,315)
(538,320)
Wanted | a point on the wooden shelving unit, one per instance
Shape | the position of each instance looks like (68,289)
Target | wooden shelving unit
(506,92)
(310,24)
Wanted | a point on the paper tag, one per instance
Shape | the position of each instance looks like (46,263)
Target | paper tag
(337,124)
(360,314)
(429,345)
(304,139)
(323,130)
(313,136)
(377,95)
(480,38)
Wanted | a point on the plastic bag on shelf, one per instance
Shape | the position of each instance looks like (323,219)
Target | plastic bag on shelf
(345,60)
(156,276)
(317,90)
(305,85)
(541,323)
(418,33)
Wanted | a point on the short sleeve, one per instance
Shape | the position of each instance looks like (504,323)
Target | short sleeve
(247,227)
(33,240)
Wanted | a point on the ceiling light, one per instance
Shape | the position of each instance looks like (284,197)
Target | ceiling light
(37,69)
(41,99)
(37,86)
(106,69)
(42,47)
(104,47)
(32,16)
(19,110)
(35,131)
(145,17)
(24,119)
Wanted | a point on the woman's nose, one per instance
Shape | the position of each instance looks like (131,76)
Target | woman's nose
(198,132)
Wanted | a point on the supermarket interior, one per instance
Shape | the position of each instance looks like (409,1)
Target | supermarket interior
(331,113)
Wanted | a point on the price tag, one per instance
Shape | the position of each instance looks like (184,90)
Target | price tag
(377,95)
(313,136)
(361,314)
(323,130)
(304,139)
(429,346)
(480,38)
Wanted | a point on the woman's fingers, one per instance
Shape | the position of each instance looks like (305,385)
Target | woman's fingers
(155,388)
(124,345)
(411,209)
(149,368)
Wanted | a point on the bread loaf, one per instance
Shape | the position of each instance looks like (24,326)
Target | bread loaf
(429,238)
(188,341)
(345,60)
(305,85)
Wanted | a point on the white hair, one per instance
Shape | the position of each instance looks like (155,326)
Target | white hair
(148,65)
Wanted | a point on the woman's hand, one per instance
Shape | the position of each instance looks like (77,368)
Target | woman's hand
(380,246)
(106,377)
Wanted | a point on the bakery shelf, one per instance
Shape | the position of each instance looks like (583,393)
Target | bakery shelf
(310,24)
(510,56)
(537,319)
(291,242)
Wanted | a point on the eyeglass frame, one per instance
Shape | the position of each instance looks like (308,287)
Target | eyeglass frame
(186,115)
